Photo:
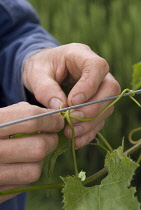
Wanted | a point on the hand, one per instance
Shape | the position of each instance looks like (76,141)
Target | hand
(78,65)
(21,158)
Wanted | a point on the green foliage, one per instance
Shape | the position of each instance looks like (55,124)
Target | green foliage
(44,199)
(136,77)
(112,29)
(114,192)
(50,160)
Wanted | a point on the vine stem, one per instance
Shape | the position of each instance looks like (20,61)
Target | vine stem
(110,105)
(104,171)
(100,145)
(139,159)
(131,134)
(60,185)
(67,117)
(105,142)
(94,176)
(31,188)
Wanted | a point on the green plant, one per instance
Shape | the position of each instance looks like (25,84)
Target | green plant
(115,185)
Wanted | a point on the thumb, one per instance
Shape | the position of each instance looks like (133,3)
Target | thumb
(50,94)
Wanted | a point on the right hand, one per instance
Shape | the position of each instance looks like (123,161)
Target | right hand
(21,158)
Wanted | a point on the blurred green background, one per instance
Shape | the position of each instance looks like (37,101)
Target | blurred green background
(113,30)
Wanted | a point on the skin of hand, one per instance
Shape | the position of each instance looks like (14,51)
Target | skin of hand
(21,158)
(76,66)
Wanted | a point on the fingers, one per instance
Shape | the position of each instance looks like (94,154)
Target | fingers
(69,63)
(51,123)
(85,139)
(87,128)
(49,93)
(109,87)
(91,70)
(27,149)
(21,158)
(82,128)
(20,173)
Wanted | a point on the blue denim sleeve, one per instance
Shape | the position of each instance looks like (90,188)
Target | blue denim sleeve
(20,37)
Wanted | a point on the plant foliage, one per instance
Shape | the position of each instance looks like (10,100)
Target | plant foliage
(114,192)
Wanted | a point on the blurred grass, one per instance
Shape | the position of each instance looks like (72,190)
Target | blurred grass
(112,29)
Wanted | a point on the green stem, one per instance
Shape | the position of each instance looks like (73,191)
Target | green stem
(139,159)
(110,105)
(60,185)
(131,134)
(67,116)
(132,149)
(95,176)
(105,141)
(31,188)
(100,145)
(104,171)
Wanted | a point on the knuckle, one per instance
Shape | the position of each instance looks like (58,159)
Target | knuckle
(53,142)
(23,104)
(40,89)
(75,47)
(32,125)
(79,45)
(40,149)
(34,173)
(115,87)
(78,142)
(29,173)
(57,122)
(103,65)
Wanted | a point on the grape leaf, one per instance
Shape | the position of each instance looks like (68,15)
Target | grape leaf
(136,76)
(114,192)
(50,160)
(63,145)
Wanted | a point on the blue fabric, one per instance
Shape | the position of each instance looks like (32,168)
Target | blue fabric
(20,37)
(16,203)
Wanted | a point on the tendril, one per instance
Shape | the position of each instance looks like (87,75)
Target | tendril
(110,105)
(67,116)
(131,134)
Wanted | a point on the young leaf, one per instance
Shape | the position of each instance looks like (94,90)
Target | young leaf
(114,192)
(50,160)
(136,77)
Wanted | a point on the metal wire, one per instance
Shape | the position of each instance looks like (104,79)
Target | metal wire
(65,109)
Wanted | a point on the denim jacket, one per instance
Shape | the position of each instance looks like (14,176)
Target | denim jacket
(20,37)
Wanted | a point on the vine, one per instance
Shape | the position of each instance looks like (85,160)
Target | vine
(107,147)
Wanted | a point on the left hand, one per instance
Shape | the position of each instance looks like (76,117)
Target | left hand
(72,64)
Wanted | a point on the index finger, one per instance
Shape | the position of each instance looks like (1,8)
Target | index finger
(50,123)
(93,71)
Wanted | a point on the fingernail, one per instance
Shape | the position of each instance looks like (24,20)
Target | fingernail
(55,103)
(77,129)
(68,133)
(78,99)
(77,114)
